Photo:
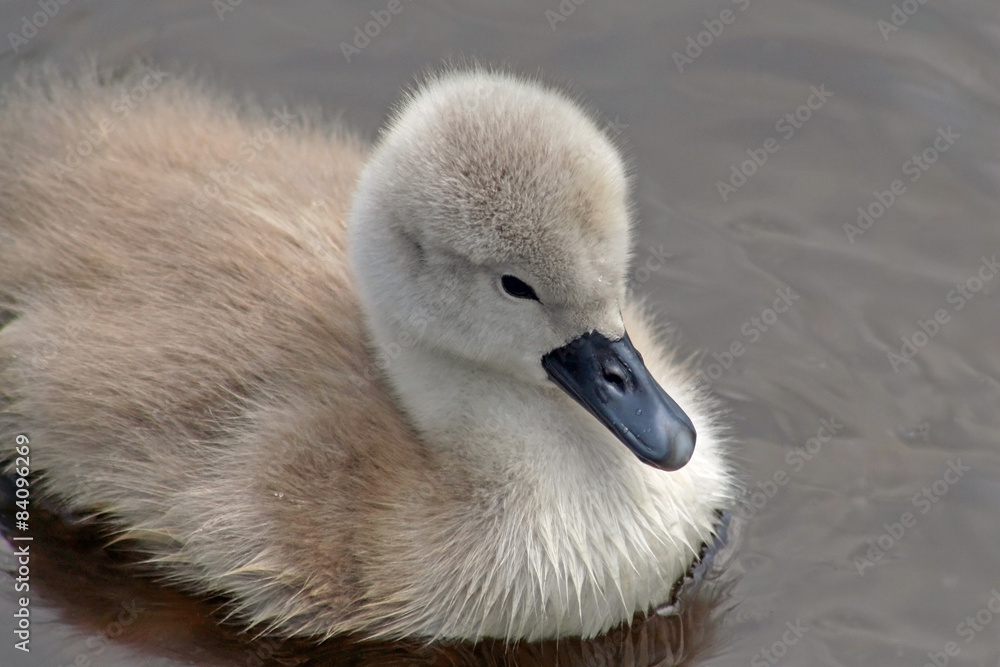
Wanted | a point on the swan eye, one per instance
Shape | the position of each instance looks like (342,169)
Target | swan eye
(517,288)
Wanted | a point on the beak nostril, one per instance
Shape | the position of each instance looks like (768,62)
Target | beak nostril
(615,377)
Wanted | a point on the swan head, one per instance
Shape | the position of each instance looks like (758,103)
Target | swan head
(492,225)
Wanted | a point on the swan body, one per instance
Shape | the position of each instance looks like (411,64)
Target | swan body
(289,366)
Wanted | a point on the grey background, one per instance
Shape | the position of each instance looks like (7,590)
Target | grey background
(826,358)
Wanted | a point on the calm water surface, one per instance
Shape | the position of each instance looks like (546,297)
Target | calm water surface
(869,535)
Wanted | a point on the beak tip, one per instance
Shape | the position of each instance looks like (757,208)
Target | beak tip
(679,450)
(682,449)
(677,443)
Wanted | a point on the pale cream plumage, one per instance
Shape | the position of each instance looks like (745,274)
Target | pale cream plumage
(374,450)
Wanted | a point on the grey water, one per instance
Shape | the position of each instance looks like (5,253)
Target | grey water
(818,216)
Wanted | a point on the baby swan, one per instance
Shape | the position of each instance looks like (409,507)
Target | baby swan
(392,394)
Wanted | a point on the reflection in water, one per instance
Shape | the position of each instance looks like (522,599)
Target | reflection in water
(115,608)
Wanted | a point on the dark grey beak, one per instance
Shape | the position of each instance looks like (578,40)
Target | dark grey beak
(609,379)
